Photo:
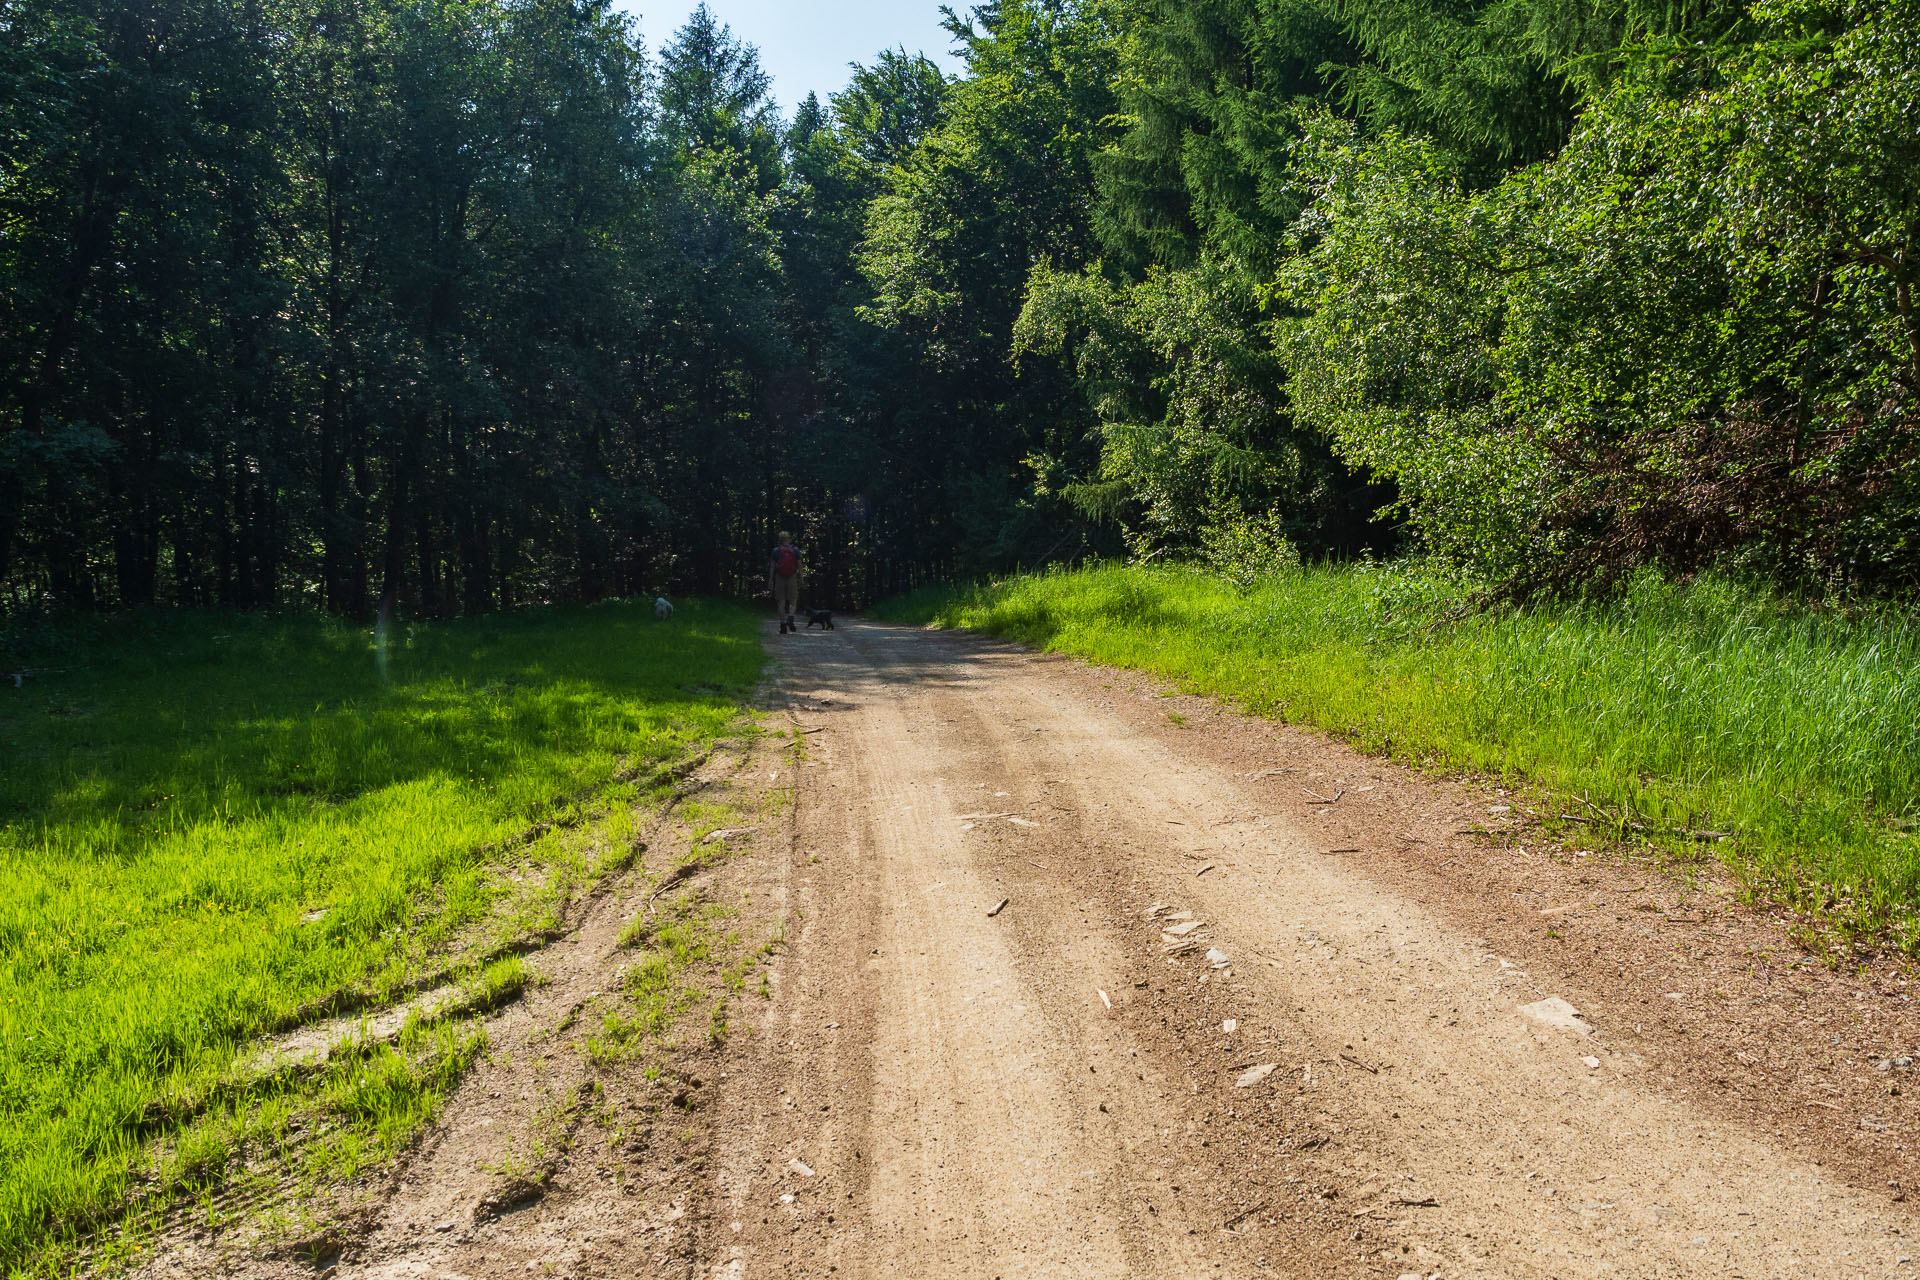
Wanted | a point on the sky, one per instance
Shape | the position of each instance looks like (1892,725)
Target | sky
(806,44)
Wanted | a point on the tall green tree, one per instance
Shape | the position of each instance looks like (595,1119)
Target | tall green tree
(968,449)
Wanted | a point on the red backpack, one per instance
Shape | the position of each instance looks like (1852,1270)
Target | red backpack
(786,561)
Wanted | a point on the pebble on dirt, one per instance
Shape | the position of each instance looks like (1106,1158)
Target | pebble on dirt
(998,907)
(1555,1012)
(1254,1075)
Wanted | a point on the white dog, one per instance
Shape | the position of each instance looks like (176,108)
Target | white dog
(662,608)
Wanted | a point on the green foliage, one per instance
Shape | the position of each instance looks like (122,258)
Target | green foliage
(1210,93)
(1246,550)
(1392,352)
(1671,338)
(957,449)
(889,108)
(1712,706)
(1189,407)
(454,306)
(714,97)
(1681,341)
(212,821)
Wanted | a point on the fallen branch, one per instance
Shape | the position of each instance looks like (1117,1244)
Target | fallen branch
(1625,822)
(678,876)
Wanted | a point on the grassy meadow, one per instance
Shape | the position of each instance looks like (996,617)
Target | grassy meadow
(1674,711)
(216,826)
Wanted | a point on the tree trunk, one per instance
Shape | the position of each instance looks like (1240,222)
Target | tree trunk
(476,588)
(12,497)
(394,551)
(338,589)
(429,563)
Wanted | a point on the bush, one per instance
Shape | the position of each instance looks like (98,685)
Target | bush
(1247,550)
(1688,340)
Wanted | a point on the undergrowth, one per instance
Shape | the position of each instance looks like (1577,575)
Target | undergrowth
(1708,718)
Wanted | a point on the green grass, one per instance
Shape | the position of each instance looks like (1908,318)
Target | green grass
(1708,707)
(685,949)
(686,936)
(211,824)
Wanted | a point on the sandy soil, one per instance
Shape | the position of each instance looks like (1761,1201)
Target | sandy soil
(1255,1005)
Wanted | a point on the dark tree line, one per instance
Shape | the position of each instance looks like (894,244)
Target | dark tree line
(457,305)
(454,304)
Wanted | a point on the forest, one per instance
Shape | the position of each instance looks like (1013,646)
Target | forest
(449,306)
(1520,391)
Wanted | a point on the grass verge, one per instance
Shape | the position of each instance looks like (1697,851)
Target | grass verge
(218,826)
(1707,717)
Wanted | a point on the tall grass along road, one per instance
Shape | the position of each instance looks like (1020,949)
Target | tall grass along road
(213,826)
(1703,717)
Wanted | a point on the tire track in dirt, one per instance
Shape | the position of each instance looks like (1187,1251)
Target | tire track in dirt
(545,1162)
(936,1092)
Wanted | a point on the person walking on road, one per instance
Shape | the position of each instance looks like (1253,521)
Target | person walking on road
(785,572)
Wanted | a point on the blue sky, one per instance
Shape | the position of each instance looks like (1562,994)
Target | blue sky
(807,44)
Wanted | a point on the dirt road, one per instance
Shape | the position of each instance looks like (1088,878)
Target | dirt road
(1256,1005)
(1036,970)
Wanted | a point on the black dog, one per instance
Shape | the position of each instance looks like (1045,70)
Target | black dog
(821,618)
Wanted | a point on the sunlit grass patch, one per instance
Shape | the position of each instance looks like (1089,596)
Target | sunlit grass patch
(215,827)
(686,949)
(674,943)
(1672,714)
